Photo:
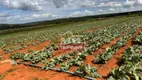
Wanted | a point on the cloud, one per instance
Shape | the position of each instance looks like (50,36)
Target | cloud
(46,4)
(60,3)
(100,10)
(22,4)
(129,3)
(47,16)
(110,4)
(111,9)
(88,3)
(138,2)
(82,13)
(52,9)
(4,15)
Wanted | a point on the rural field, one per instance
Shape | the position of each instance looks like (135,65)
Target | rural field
(111,49)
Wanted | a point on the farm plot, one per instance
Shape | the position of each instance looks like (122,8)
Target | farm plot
(21,40)
(106,42)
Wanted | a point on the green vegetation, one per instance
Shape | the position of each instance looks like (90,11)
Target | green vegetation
(122,27)
(109,52)
(19,36)
(43,24)
(87,70)
(130,67)
(18,40)
(106,30)
(138,39)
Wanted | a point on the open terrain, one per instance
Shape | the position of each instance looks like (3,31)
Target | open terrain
(112,49)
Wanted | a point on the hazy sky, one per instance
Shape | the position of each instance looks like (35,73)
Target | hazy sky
(22,11)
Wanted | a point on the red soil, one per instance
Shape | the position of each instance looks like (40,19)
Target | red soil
(91,30)
(90,58)
(1,51)
(37,47)
(4,68)
(22,72)
(61,52)
(112,63)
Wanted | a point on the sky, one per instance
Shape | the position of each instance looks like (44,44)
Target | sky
(24,11)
